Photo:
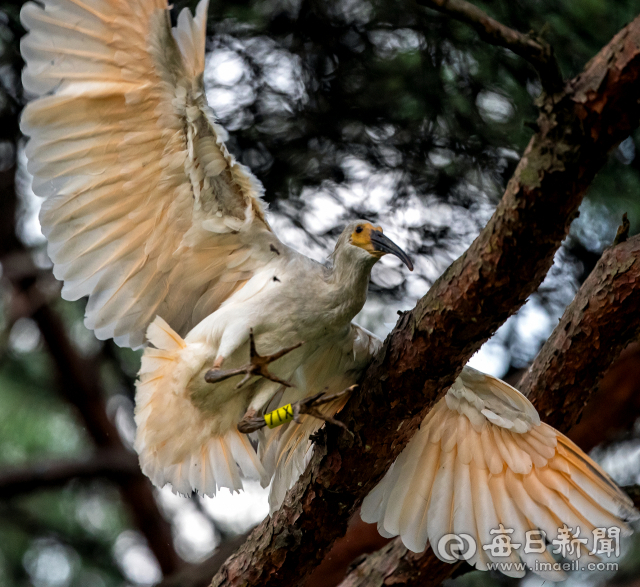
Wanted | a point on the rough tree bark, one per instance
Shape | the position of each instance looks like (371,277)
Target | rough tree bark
(614,408)
(595,327)
(429,346)
(599,323)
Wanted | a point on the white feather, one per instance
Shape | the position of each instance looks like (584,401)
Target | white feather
(112,145)
(485,466)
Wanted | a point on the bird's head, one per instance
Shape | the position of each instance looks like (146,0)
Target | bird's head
(366,241)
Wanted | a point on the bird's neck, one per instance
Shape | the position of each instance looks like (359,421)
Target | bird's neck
(349,282)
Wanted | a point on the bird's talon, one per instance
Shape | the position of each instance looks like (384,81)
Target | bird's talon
(321,398)
(257,366)
(309,406)
(216,375)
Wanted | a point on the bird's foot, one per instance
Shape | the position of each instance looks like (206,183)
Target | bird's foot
(251,422)
(257,366)
(307,406)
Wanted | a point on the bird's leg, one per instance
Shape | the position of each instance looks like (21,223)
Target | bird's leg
(252,421)
(257,366)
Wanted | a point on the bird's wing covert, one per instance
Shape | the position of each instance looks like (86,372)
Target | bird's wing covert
(482,458)
(146,212)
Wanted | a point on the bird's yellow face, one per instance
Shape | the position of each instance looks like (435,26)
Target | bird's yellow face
(370,238)
(361,237)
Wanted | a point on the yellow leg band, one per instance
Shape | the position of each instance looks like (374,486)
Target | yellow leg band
(279,417)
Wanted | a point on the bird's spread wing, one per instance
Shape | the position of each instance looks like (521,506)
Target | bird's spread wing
(334,366)
(146,212)
(482,458)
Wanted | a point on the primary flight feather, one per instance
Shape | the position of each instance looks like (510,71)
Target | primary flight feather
(148,215)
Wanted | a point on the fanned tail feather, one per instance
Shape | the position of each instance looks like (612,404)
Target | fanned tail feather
(174,439)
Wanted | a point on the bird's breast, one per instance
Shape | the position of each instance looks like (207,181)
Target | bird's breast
(310,309)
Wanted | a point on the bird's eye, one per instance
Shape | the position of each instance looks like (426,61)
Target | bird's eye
(358,229)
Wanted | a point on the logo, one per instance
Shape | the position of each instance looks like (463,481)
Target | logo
(452,547)
(568,544)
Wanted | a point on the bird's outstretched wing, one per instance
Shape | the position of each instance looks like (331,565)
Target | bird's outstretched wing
(482,458)
(285,451)
(146,212)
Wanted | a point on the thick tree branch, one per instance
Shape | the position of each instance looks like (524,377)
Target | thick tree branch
(595,327)
(395,565)
(430,345)
(115,464)
(531,48)
(613,409)
(600,322)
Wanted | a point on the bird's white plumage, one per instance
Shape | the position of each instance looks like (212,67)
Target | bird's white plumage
(178,442)
(148,215)
(482,458)
(334,366)
(146,212)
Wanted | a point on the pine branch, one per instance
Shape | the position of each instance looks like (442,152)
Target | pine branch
(600,322)
(115,464)
(531,48)
(430,344)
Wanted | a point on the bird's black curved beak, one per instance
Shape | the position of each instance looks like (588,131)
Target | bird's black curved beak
(385,245)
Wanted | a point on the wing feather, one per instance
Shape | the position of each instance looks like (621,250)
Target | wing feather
(463,505)
(412,526)
(140,187)
(496,464)
(507,510)
(439,517)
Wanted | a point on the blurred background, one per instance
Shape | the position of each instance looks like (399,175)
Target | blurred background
(343,108)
